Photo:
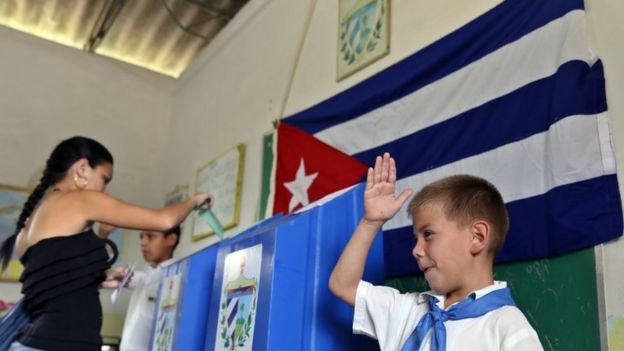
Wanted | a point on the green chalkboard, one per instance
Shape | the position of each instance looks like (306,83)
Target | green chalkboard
(558,296)
(267,164)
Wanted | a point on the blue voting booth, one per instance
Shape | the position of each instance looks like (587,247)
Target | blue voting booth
(181,313)
(266,288)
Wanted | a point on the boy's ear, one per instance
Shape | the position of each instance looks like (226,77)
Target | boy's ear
(480,237)
(170,240)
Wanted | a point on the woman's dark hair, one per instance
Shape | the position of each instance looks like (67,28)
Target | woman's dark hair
(61,159)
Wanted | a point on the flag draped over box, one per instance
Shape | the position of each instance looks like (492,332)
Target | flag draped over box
(515,96)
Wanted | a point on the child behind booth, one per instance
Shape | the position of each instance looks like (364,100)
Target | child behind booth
(460,224)
(157,249)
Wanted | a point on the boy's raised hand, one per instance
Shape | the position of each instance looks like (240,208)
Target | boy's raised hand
(380,201)
(380,204)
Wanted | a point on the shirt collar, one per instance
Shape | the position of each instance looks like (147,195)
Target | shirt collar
(161,264)
(166,262)
(424,296)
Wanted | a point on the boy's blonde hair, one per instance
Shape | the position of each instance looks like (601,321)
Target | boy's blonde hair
(466,198)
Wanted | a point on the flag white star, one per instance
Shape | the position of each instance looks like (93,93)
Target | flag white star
(299,187)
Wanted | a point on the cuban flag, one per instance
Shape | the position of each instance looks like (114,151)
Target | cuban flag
(515,96)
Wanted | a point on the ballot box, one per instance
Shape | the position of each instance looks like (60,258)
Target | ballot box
(181,311)
(270,286)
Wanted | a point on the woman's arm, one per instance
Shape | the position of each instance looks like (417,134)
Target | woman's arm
(100,207)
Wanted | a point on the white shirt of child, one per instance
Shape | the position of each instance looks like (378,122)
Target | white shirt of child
(137,330)
(383,313)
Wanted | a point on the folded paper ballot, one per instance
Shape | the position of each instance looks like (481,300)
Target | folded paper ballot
(124,282)
(209,217)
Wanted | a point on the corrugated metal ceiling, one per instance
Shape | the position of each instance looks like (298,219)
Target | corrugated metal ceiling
(161,35)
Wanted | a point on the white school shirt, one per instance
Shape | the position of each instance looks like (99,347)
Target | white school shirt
(383,313)
(137,330)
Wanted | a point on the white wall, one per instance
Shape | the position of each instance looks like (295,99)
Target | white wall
(231,94)
(413,25)
(606,24)
(235,88)
(49,92)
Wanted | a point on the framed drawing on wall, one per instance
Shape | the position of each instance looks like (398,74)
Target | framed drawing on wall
(223,178)
(363,34)
(12,200)
(178,194)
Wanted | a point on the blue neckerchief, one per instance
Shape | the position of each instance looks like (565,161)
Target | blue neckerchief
(467,308)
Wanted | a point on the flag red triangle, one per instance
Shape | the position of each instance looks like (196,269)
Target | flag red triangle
(326,169)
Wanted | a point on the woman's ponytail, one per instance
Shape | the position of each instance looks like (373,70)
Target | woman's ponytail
(6,250)
(64,155)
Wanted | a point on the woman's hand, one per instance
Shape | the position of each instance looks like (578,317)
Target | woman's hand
(113,277)
(202,201)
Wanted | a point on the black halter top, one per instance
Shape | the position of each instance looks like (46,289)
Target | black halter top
(60,284)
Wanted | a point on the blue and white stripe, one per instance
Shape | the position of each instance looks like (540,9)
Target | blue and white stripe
(515,96)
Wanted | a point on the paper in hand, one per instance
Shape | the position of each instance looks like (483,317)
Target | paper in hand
(209,217)
(124,281)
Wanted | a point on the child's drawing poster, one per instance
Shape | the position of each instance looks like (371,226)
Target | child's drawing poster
(166,315)
(239,295)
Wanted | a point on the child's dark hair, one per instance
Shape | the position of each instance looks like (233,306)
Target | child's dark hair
(64,155)
(177,231)
(466,198)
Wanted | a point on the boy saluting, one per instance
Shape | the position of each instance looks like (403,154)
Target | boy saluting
(460,224)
